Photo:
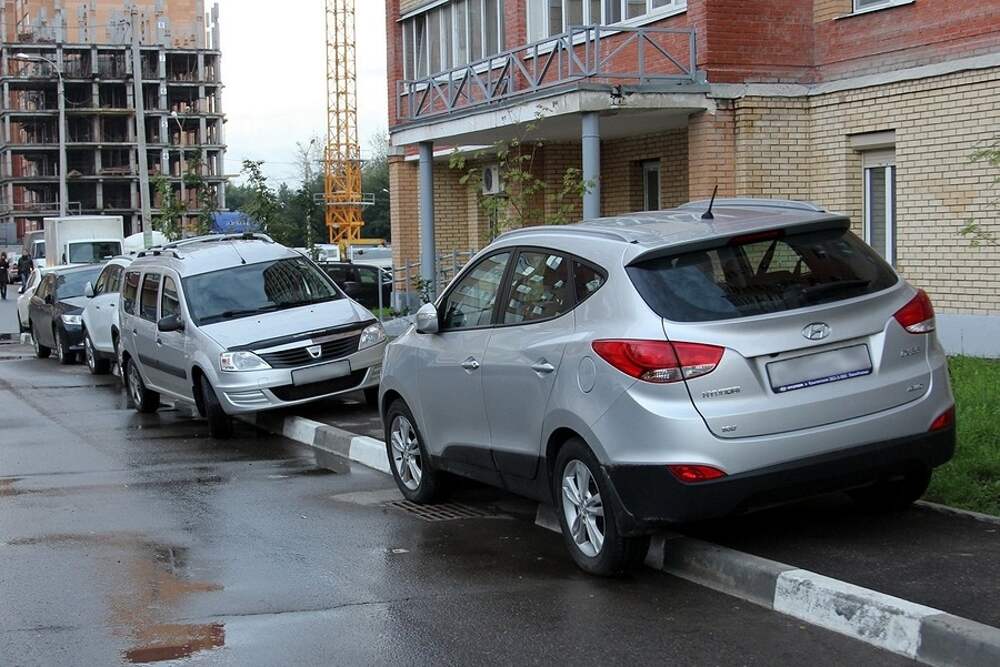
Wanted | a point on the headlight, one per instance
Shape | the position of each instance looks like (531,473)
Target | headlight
(372,335)
(242,361)
(72,320)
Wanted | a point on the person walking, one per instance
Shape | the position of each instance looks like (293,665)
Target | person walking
(4,275)
(25,265)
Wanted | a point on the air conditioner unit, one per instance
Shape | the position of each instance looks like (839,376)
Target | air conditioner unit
(491,180)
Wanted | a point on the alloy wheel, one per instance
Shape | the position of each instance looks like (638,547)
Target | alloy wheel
(406,452)
(135,385)
(88,351)
(583,508)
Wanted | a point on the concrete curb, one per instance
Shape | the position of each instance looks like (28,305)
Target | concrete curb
(955,511)
(918,632)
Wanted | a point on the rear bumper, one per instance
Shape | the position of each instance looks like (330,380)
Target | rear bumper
(652,496)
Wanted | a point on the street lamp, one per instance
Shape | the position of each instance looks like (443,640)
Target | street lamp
(63,188)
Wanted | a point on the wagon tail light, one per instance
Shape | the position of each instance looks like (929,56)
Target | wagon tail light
(660,362)
(917,316)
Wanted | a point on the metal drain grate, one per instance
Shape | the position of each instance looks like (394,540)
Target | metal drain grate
(444,511)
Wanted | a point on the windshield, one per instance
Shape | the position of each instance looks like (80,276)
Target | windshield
(760,274)
(39,250)
(93,251)
(248,290)
(69,285)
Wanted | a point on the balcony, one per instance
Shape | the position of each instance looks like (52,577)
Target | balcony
(646,58)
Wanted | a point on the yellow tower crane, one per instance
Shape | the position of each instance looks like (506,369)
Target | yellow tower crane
(344,200)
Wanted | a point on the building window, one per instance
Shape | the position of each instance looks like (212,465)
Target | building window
(651,185)
(552,17)
(863,5)
(880,202)
(450,36)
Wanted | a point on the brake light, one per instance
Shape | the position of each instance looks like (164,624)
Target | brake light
(692,474)
(943,420)
(659,361)
(917,316)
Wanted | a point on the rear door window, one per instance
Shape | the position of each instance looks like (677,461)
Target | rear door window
(761,274)
(130,292)
(150,292)
(540,288)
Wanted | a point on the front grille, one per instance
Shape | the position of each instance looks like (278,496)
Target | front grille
(332,350)
(291,392)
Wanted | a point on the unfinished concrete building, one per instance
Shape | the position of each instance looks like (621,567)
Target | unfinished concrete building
(91,43)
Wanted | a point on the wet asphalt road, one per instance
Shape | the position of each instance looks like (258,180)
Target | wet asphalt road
(134,539)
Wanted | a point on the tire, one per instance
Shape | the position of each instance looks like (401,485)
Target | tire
(63,353)
(592,537)
(220,425)
(95,364)
(416,479)
(143,400)
(41,351)
(371,397)
(894,495)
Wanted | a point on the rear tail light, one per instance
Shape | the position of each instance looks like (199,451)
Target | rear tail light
(943,420)
(657,361)
(692,474)
(917,316)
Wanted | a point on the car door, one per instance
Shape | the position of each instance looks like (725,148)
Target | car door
(523,356)
(102,306)
(42,304)
(144,329)
(450,375)
(171,346)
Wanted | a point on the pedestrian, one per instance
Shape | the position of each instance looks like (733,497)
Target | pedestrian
(4,275)
(25,265)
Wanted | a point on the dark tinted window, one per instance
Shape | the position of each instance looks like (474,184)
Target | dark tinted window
(130,292)
(89,253)
(69,285)
(758,275)
(106,280)
(170,303)
(587,280)
(540,288)
(150,292)
(471,302)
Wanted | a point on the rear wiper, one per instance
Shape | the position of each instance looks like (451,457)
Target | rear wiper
(819,290)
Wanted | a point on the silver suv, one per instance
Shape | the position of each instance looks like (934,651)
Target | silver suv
(672,366)
(238,324)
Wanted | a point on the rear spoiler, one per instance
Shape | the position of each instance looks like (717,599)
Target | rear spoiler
(830,223)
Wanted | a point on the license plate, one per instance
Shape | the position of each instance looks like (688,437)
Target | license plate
(336,369)
(818,369)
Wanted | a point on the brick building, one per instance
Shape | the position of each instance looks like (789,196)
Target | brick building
(869,107)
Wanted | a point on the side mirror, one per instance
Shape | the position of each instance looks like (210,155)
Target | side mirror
(88,291)
(427,319)
(170,323)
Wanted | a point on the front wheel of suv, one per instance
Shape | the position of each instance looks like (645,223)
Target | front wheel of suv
(220,425)
(894,495)
(411,468)
(143,400)
(95,364)
(589,516)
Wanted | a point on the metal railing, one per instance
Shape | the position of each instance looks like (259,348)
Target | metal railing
(614,55)
(408,293)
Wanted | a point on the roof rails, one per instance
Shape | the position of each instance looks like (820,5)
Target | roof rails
(750,202)
(215,238)
(159,251)
(569,229)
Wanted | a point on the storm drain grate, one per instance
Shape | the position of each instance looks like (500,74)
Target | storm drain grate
(444,511)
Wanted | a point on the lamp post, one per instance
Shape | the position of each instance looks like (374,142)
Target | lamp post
(63,188)
(180,153)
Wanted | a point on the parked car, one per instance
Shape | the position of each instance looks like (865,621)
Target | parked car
(27,291)
(55,315)
(361,282)
(238,324)
(665,367)
(101,330)
(12,275)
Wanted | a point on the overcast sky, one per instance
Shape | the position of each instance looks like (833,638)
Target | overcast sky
(274,71)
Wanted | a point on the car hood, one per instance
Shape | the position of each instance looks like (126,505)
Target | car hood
(248,330)
(74,304)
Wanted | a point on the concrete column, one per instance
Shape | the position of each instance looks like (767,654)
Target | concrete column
(592,164)
(428,253)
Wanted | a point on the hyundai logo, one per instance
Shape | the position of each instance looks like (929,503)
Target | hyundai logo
(816,331)
(315,351)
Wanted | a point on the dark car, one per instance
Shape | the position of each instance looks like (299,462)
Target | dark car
(361,283)
(55,315)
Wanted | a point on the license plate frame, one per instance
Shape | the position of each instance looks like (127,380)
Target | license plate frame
(819,369)
(328,371)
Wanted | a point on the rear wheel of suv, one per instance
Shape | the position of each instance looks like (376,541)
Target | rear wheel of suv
(41,351)
(143,400)
(894,495)
(589,516)
(95,364)
(411,468)
(220,425)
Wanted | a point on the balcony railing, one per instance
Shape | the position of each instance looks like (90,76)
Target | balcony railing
(601,54)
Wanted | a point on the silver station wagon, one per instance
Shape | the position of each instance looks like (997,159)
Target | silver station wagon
(665,367)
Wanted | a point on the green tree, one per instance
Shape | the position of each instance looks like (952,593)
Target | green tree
(262,203)
(375,180)
(207,202)
(978,234)
(170,219)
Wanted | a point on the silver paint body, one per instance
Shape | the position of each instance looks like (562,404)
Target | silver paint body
(101,313)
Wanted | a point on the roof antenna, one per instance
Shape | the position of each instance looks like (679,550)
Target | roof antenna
(707,215)
(237,251)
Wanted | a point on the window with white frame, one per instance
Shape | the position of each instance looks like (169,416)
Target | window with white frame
(880,202)
(552,17)
(451,35)
(862,5)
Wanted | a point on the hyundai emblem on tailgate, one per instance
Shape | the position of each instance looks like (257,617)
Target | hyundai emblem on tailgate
(816,330)
(315,351)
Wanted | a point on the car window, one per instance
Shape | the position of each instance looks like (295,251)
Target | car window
(170,303)
(471,302)
(587,280)
(130,291)
(368,276)
(103,280)
(147,300)
(45,287)
(539,288)
(115,284)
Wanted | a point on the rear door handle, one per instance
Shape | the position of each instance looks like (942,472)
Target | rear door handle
(470,364)
(543,367)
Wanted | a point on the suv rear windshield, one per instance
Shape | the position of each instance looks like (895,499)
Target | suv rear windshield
(760,274)
(243,291)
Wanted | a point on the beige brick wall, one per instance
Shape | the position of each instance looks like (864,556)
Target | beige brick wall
(712,153)
(772,148)
(621,169)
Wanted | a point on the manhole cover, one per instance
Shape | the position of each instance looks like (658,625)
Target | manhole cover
(444,511)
